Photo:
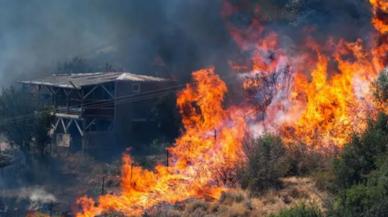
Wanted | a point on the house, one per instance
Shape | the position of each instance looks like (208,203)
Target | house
(94,109)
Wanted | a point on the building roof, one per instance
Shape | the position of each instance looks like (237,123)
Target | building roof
(77,81)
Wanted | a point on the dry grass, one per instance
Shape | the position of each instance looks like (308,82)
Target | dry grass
(239,203)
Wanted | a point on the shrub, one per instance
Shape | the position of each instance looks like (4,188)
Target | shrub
(359,157)
(362,174)
(381,86)
(267,162)
(304,161)
(324,180)
(301,210)
(361,201)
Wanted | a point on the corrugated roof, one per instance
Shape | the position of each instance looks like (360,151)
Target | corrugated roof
(86,79)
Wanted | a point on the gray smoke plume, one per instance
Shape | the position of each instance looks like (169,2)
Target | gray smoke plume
(167,38)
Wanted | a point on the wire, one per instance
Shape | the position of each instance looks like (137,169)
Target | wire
(130,98)
(119,101)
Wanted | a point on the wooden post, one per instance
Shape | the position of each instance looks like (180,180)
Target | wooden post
(83,137)
(131,172)
(67,100)
(51,206)
(103,185)
(167,157)
(83,141)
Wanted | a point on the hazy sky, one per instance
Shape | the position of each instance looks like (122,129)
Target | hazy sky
(37,34)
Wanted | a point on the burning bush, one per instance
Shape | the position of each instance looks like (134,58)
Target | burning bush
(267,162)
(240,203)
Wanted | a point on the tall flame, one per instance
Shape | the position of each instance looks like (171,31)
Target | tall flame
(317,96)
(211,146)
(336,102)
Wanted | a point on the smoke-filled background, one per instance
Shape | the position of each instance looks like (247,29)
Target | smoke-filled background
(167,38)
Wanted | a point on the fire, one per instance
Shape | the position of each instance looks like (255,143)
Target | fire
(210,148)
(318,95)
(380,23)
(339,101)
(336,103)
(380,8)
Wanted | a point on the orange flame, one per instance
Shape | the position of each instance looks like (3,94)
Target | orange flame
(379,8)
(330,94)
(336,103)
(318,97)
(210,146)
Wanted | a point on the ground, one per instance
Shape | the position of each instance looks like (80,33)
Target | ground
(82,175)
(238,203)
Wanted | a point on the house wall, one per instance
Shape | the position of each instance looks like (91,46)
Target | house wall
(133,115)
(135,124)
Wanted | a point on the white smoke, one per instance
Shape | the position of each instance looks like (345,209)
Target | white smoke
(37,196)
(4,145)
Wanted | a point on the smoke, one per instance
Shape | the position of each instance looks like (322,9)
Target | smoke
(4,145)
(38,196)
(162,36)
(167,38)
(14,202)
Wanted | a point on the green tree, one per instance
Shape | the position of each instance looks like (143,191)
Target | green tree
(41,138)
(361,173)
(381,87)
(22,120)
(369,199)
(360,156)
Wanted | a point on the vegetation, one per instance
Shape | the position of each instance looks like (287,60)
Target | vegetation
(381,86)
(23,121)
(362,174)
(357,178)
(361,155)
(267,162)
(81,65)
(304,161)
(301,210)
(240,203)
